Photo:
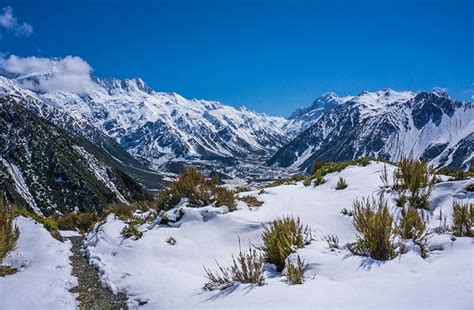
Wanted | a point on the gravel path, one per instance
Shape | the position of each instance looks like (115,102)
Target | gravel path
(92,295)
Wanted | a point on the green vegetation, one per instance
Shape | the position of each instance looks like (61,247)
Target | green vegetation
(341,184)
(82,221)
(247,267)
(199,191)
(295,272)
(463,219)
(414,181)
(470,187)
(456,175)
(413,227)
(291,180)
(9,234)
(320,169)
(282,237)
(374,228)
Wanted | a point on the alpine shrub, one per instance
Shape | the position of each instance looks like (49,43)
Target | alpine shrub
(282,237)
(374,229)
(295,272)
(463,219)
(8,231)
(414,181)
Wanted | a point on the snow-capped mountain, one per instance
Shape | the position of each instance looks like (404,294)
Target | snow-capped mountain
(79,127)
(387,124)
(303,118)
(162,126)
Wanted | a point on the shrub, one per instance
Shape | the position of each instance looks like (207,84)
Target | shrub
(470,187)
(8,231)
(199,191)
(374,228)
(247,267)
(413,227)
(282,238)
(291,180)
(171,241)
(320,169)
(82,221)
(414,181)
(295,272)
(251,201)
(225,197)
(341,184)
(121,210)
(456,175)
(333,241)
(131,230)
(463,219)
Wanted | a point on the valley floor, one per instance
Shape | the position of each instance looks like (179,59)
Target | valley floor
(158,275)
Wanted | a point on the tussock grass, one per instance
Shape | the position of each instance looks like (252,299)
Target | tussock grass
(412,226)
(82,221)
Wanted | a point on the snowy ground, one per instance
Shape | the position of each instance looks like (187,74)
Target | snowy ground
(44,271)
(149,270)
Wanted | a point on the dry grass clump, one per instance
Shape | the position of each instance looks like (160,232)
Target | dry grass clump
(282,237)
(197,189)
(414,181)
(247,267)
(251,201)
(295,272)
(463,219)
(121,210)
(374,227)
(9,234)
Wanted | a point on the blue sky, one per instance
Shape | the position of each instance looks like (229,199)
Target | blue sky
(271,56)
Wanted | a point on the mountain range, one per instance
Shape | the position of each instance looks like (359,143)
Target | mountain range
(138,135)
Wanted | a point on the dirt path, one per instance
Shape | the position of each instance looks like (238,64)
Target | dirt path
(92,295)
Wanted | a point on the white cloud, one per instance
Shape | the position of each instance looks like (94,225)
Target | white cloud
(57,74)
(11,23)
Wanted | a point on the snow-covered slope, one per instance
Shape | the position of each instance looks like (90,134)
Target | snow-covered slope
(44,271)
(387,124)
(167,276)
(162,126)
